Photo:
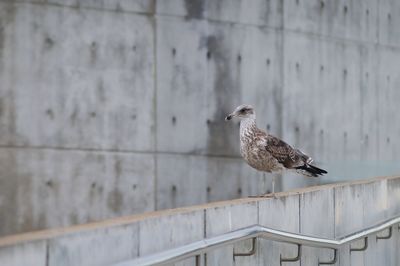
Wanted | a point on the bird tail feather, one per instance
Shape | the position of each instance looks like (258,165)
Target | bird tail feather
(310,170)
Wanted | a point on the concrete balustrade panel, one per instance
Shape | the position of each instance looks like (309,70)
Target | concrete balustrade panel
(169,231)
(31,253)
(282,214)
(393,186)
(223,219)
(360,206)
(383,251)
(97,247)
(317,218)
(376,210)
(393,193)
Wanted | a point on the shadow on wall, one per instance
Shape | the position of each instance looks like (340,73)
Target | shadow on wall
(226,92)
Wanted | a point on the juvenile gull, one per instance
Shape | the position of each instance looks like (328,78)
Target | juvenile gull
(268,153)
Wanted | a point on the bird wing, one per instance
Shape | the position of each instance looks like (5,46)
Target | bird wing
(284,153)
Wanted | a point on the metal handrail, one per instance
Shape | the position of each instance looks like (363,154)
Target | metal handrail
(202,246)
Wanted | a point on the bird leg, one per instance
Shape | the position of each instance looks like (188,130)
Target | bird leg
(268,195)
(273,186)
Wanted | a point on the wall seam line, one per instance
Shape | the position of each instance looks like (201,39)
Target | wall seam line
(155,103)
(47,253)
(78,7)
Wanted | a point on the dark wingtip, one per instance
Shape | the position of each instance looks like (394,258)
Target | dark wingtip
(313,170)
(317,170)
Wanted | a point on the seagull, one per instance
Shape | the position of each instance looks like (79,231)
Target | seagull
(268,153)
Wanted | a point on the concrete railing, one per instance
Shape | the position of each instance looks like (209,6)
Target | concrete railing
(202,246)
(330,211)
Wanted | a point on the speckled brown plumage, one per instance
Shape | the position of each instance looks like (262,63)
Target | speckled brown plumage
(266,152)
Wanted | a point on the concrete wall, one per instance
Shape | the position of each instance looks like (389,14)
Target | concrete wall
(330,211)
(109,108)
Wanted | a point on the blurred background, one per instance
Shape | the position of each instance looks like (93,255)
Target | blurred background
(111,108)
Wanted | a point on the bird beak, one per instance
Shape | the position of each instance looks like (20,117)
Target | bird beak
(229,117)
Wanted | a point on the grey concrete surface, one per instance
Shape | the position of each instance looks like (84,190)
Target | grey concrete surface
(33,253)
(324,211)
(109,108)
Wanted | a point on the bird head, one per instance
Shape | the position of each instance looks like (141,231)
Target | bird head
(242,111)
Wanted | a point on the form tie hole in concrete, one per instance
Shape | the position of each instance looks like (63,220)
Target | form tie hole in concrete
(208,189)
(322,4)
(297,66)
(367,12)
(297,129)
(173,120)
(389,16)
(208,121)
(93,114)
(208,55)
(268,61)
(345,135)
(345,73)
(268,126)
(173,51)
(239,58)
(366,74)
(49,42)
(321,68)
(239,191)
(173,188)
(345,9)
(50,113)
(49,183)
(387,140)
(134,186)
(297,2)
(93,185)
(388,78)
(134,48)
(321,132)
